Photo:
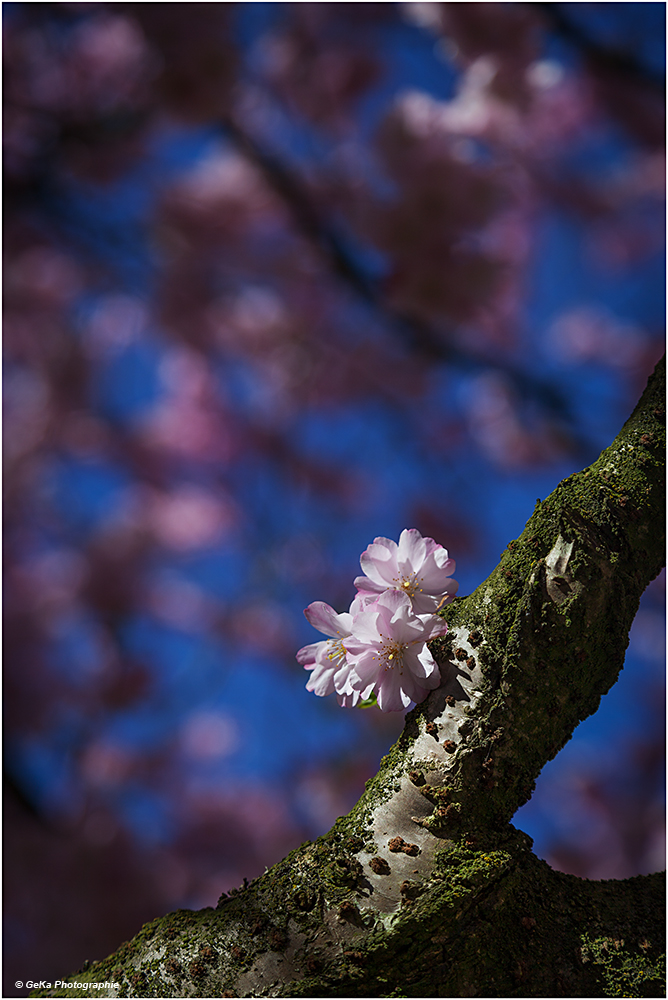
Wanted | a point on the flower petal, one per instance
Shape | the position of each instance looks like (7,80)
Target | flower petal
(433,579)
(413,663)
(365,670)
(365,627)
(364,583)
(321,681)
(397,603)
(363,601)
(434,626)
(425,604)
(307,654)
(428,674)
(443,560)
(325,619)
(399,622)
(419,694)
(390,693)
(379,561)
(411,551)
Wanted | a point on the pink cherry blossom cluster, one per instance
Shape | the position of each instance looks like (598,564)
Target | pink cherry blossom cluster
(378,648)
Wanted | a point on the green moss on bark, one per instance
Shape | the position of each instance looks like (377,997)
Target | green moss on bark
(625,972)
(554,616)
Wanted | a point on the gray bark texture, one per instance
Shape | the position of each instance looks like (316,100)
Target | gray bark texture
(425,889)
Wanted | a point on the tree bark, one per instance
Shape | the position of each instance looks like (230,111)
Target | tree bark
(424,888)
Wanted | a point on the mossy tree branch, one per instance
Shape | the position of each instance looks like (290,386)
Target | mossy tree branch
(424,888)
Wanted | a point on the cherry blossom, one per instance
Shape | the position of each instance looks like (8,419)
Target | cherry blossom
(418,567)
(379,647)
(327,660)
(387,651)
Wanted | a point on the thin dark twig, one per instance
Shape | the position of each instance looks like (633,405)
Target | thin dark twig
(602,57)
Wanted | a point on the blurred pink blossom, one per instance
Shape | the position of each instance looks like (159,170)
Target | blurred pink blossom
(590,333)
(181,604)
(105,764)
(117,321)
(190,517)
(190,419)
(207,734)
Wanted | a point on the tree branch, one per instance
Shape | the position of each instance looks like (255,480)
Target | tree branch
(424,889)
(603,57)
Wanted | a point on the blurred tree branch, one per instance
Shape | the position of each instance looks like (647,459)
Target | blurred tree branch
(633,93)
(415,334)
(603,57)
